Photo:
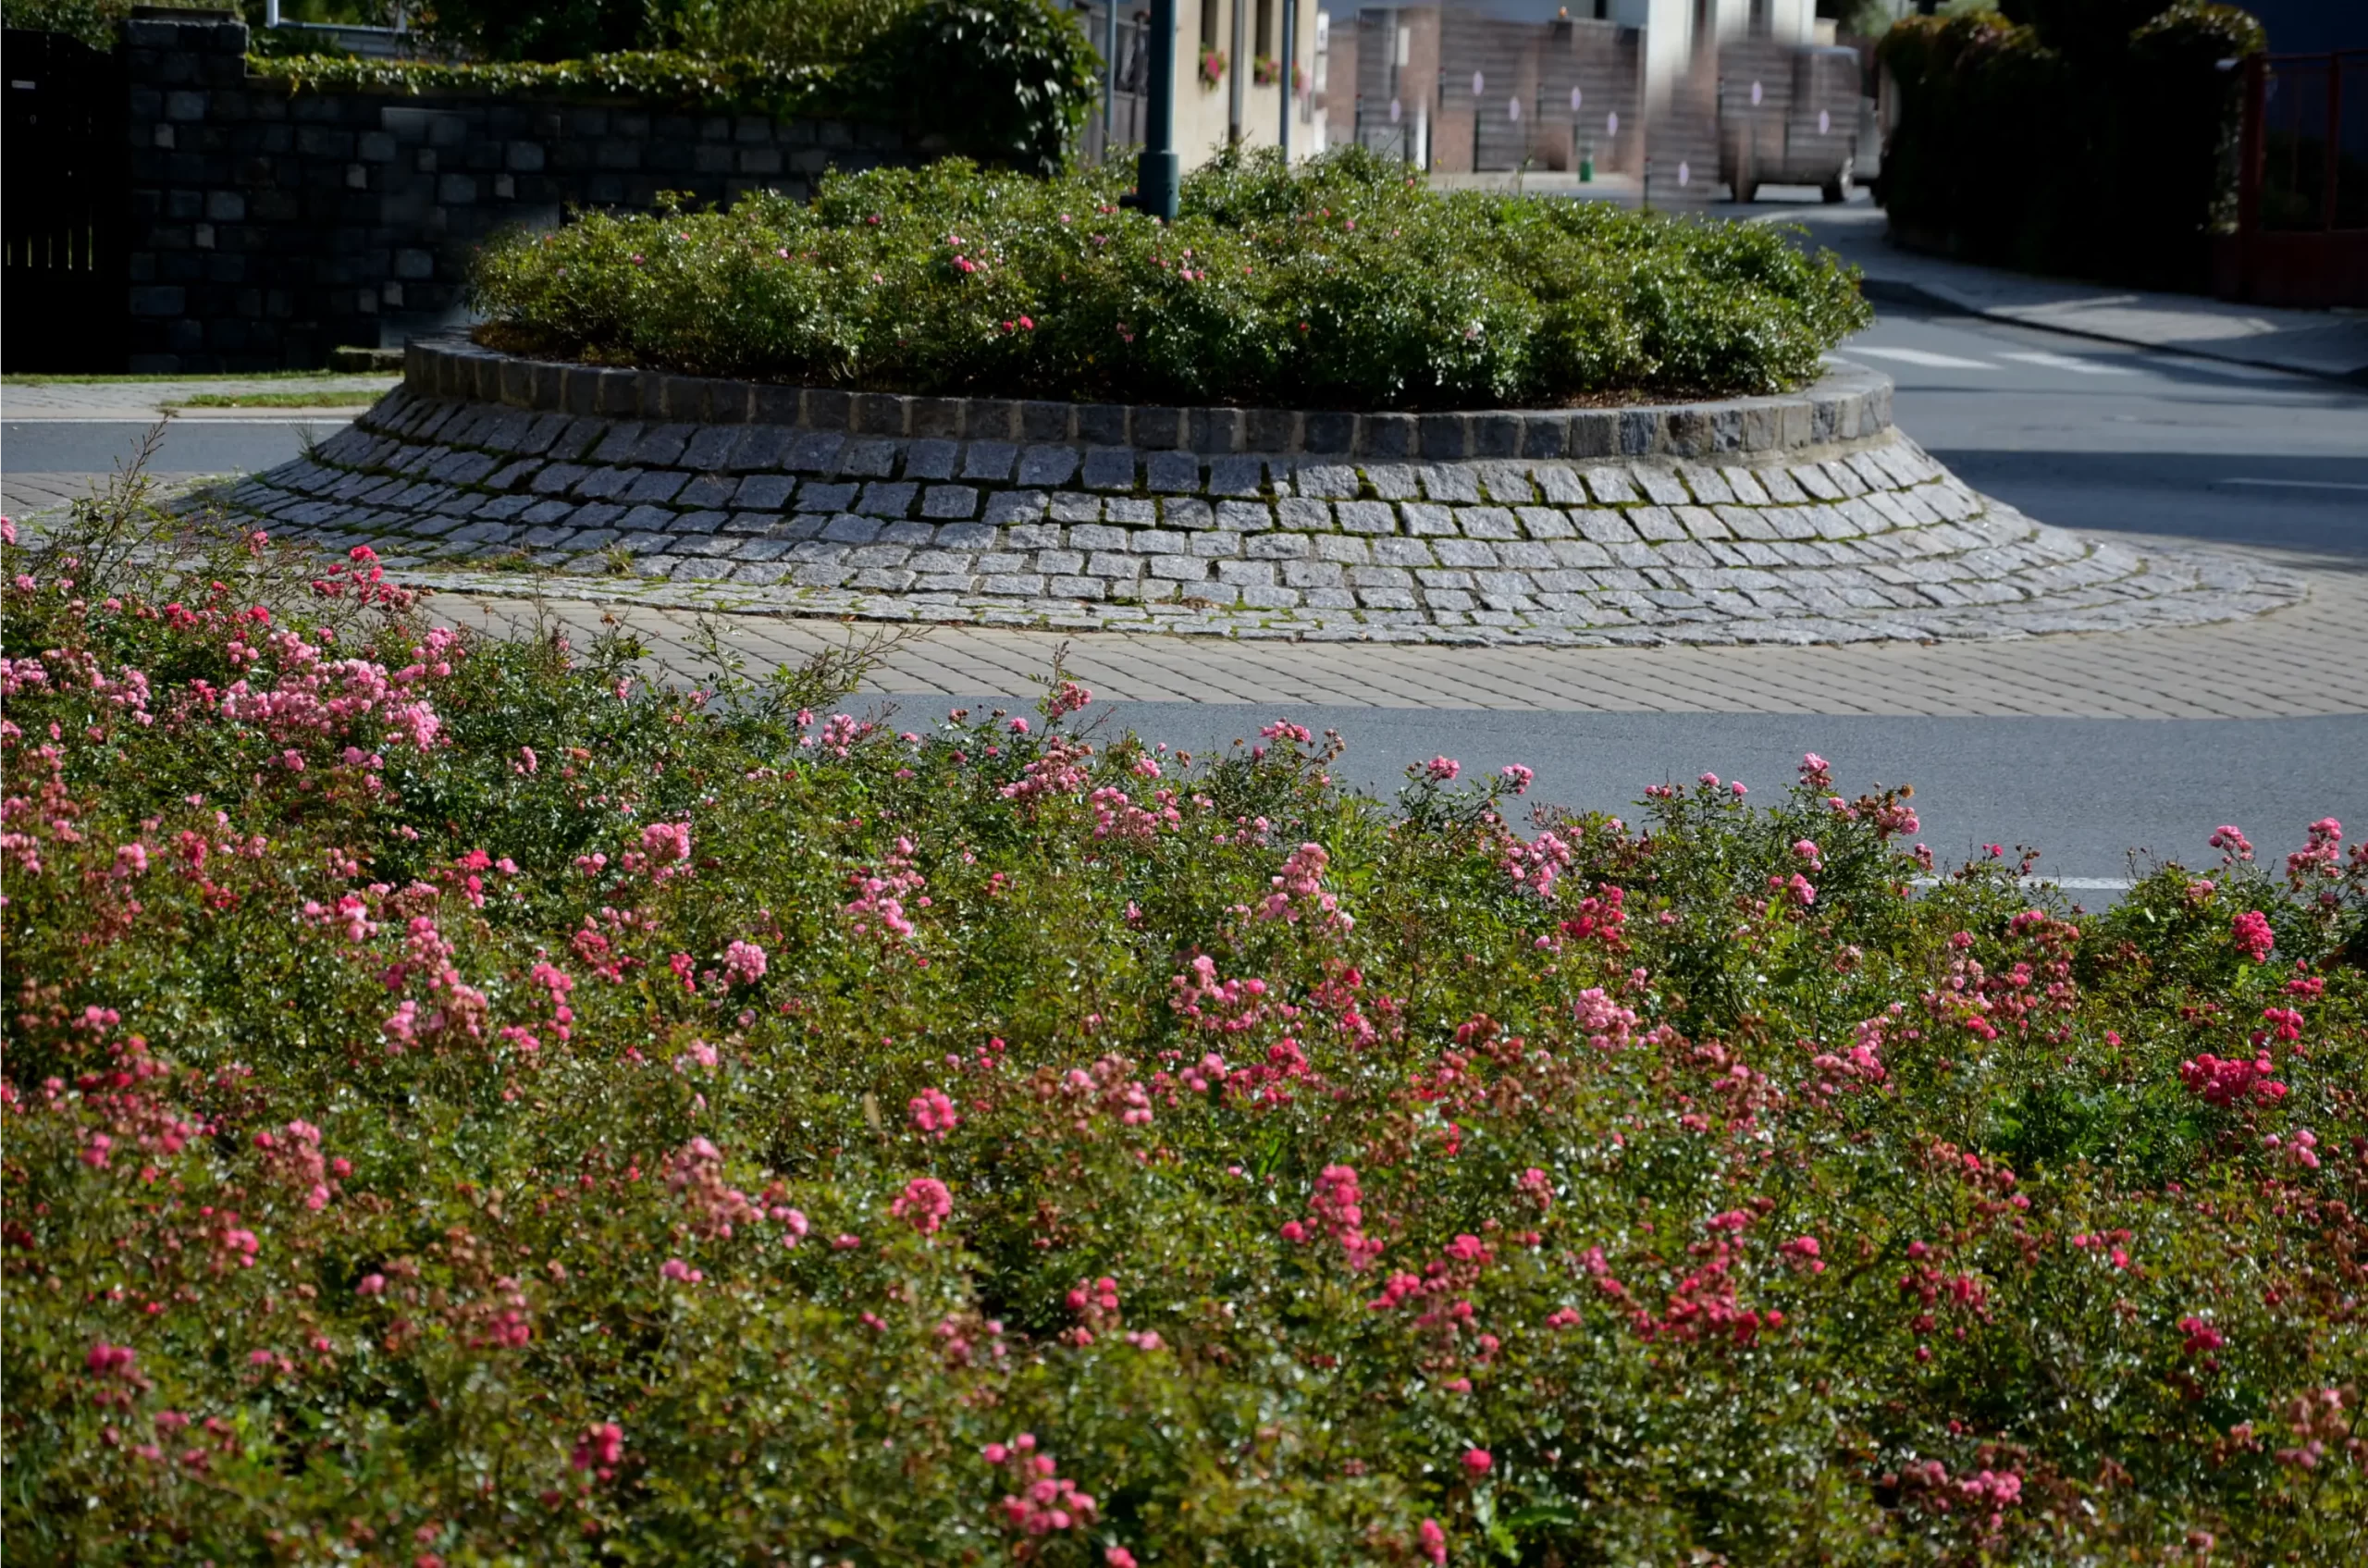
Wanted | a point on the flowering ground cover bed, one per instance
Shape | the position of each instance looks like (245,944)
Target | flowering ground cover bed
(1341,283)
(465,1105)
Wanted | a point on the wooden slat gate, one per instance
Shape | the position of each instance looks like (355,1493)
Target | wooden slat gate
(66,213)
(2302,235)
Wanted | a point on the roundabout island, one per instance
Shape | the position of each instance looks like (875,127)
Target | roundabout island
(1803,517)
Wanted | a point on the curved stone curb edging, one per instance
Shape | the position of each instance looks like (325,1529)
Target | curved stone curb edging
(1848,403)
(1828,542)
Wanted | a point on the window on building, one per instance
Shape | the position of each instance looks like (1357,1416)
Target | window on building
(1263,42)
(1209,34)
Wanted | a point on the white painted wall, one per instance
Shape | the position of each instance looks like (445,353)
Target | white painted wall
(1204,115)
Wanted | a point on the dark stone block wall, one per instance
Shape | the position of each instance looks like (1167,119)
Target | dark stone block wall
(267,229)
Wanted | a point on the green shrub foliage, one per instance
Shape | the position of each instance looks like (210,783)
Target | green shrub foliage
(800,31)
(94,22)
(465,1105)
(671,78)
(1005,83)
(543,29)
(2094,140)
(797,32)
(1336,283)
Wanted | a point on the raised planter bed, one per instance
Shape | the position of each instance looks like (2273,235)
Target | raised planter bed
(1850,403)
(1798,518)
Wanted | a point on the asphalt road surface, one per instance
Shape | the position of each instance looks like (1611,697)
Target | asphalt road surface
(2096,797)
(191,446)
(2115,439)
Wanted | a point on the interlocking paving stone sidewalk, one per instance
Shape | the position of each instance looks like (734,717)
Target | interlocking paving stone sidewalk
(26,494)
(2307,660)
(1831,540)
(31,494)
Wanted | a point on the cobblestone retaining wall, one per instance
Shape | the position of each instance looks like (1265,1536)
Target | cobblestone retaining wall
(1833,540)
(269,227)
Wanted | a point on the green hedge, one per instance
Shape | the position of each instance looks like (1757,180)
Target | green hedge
(1002,82)
(1342,283)
(92,21)
(721,85)
(802,31)
(2093,140)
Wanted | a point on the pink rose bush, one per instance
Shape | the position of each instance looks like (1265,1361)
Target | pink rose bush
(461,1103)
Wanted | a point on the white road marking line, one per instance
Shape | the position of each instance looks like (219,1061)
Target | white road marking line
(2297,483)
(2223,367)
(2078,885)
(1924,357)
(2066,362)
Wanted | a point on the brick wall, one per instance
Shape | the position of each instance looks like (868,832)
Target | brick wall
(268,228)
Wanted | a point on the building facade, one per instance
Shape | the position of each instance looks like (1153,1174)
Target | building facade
(1231,82)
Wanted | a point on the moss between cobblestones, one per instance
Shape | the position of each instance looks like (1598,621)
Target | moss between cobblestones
(1340,284)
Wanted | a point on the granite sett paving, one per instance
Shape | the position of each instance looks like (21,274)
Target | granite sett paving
(1849,532)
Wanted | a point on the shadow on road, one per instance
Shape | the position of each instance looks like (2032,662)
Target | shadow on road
(2316,506)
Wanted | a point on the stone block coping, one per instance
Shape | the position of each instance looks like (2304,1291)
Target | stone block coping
(1849,404)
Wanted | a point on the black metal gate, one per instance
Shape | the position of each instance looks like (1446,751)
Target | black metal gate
(63,296)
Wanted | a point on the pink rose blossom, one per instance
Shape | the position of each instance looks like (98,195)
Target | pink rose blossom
(2253,935)
(744,962)
(933,1114)
(600,1447)
(923,1204)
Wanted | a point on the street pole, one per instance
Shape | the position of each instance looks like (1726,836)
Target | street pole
(1109,74)
(1236,81)
(1290,70)
(1159,171)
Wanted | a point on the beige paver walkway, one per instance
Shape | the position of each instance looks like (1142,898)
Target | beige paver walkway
(2306,660)
(22,494)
